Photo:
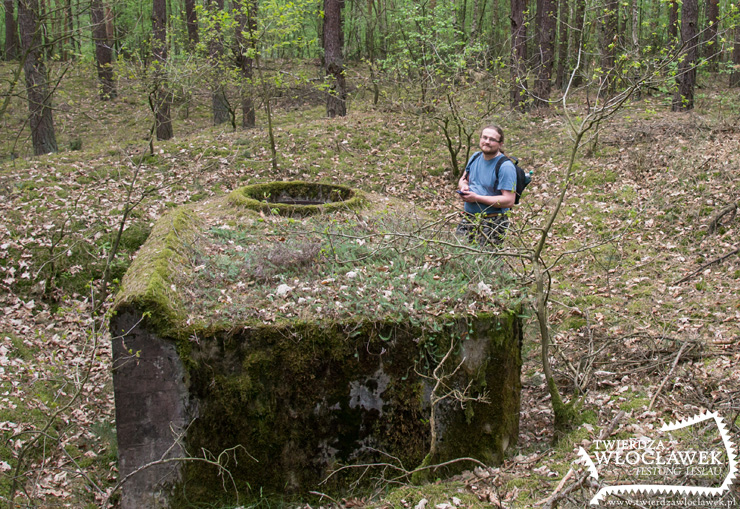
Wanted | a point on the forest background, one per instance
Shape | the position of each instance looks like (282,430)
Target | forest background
(627,111)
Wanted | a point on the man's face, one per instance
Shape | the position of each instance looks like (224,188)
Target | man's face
(490,141)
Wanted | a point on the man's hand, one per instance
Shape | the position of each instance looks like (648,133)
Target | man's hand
(463,186)
(469,196)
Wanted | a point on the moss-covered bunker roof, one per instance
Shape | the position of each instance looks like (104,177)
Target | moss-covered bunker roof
(237,261)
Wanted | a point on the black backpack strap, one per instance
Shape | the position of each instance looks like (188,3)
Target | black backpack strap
(500,161)
(473,159)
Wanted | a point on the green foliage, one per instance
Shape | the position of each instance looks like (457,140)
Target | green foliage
(426,48)
(134,29)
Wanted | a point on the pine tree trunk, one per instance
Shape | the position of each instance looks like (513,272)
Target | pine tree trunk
(673,20)
(462,14)
(579,39)
(336,101)
(683,100)
(735,75)
(609,44)
(219,101)
(110,27)
(245,40)
(481,29)
(73,40)
(636,42)
(11,31)
(191,20)
(636,27)
(711,48)
(103,51)
(546,44)
(40,119)
(474,22)
(370,33)
(562,45)
(160,98)
(518,55)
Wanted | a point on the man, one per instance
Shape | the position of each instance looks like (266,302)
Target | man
(486,207)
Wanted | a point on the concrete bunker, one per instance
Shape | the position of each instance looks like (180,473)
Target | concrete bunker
(288,339)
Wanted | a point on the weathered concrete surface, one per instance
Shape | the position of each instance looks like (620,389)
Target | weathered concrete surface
(302,401)
(281,391)
(151,411)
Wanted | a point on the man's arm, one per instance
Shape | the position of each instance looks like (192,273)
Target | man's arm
(504,201)
(463,184)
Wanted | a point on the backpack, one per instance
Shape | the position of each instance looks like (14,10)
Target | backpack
(522,178)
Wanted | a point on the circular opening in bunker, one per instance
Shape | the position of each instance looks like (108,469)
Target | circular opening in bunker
(300,198)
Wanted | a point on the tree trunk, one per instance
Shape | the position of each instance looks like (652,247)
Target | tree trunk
(11,31)
(110,27)
(336,101)
(474,22)
(49,32)
(370,33)
(518,55)
(562,45)
(735,75)
(246,46)
(711,48)
(191,20)
(382,10)
(683,100)
(636,42)
(609,44)
(160,97)
(39,97)
(481,30)
(103,51)
(73,36)
(546,45)
(673,20)
(462,14)
(219,102)
(636,27)
(579,39)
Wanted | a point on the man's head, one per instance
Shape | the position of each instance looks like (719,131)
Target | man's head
(491,139)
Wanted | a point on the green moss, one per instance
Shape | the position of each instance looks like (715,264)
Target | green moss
(567,415)
(269,386)
(634,401)
(275,198)
(20,349)
(147,284)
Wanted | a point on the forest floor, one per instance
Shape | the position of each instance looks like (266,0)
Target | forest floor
(644,299)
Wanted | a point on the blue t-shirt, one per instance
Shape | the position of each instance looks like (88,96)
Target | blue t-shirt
(481,178)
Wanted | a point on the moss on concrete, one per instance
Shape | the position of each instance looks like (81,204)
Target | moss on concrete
(148,282)
(305,388)
(274,198)
(300,400)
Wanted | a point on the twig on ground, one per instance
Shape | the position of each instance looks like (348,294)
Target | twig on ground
(673,367)
(551,498)
(550,504)
(404,472)
(708,264)
(612,426)
(731,209)
(324,495)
